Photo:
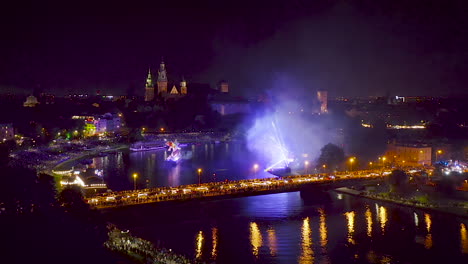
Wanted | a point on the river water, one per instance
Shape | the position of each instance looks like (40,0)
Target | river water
(321,227)
(218,162)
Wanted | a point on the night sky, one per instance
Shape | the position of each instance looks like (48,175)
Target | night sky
(351,48)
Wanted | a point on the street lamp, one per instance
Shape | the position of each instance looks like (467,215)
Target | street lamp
(255,167)
(306,165)
(438,152)
(383,161)
(370,165)
(351,161)
(135,176)
(199,173)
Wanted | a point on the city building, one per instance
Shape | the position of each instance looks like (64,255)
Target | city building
(6,132)
(149,87)
(31,101)
(108,123)
(322,97)
(408,154)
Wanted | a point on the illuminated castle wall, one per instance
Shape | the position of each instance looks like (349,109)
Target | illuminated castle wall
(162,85)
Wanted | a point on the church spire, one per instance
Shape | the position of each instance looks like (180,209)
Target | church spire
(149,81)
(149,87)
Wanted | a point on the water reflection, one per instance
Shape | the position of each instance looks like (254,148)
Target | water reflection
(382,213)
(323,228)
(174,175)
(277,236)
(307,256)
(427,219)
(428,239)
(255,238)
(463,239)
(272,241)
(214,239)
(199,245)
(416,219)
(350,225)
(369,222)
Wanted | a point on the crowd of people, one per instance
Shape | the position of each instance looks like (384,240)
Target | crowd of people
(142,250)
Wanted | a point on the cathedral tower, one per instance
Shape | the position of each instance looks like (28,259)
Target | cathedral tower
(162,79)
(149,88)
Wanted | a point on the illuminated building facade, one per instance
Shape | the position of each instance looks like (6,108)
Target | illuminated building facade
(409,154)
(6,132)
(322,97)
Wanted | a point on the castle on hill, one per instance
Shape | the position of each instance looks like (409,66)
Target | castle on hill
(162,86)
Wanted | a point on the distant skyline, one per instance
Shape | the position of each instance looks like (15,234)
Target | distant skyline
(296,47)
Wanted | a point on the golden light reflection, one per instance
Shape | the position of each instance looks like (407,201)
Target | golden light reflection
(428,239)
(369,222)
(350,224)
(199,244)
(416,219)
(383,218)
(463,239)
(255,238)
(272,241)
(214,239)
(427,219)
(323,228)
(307,256)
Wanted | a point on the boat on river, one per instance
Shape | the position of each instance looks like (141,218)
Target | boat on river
(147,146)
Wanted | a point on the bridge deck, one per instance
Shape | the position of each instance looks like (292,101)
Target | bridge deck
(217,190)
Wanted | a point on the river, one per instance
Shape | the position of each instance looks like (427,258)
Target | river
(278,228)
(218,162)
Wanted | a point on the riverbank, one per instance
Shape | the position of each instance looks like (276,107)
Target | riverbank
(141,251)
(460,210)
(66,165)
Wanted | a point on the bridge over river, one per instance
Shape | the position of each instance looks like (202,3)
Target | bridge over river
(231,189)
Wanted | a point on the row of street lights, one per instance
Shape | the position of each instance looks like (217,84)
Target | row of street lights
(351,160)
(135,176)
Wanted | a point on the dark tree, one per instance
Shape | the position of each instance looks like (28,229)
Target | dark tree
(71,199)
(331,155)
(398,181)
(4,155)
